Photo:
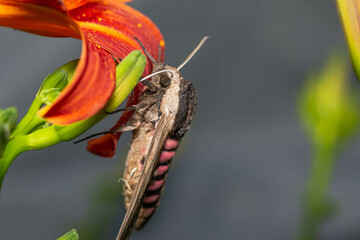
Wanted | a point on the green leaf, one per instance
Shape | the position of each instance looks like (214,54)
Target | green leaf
(71,235)
(8,119)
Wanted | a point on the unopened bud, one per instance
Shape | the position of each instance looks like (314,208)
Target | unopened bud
(328,107)
(52,87)
(56,82)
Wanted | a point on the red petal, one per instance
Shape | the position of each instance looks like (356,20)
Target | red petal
(114,26)
(72,4)
(96,146)
(39,17)
(89,90)
(58,4)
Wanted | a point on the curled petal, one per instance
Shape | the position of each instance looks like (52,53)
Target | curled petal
(46,19)
(72,4)
(89,90)
(58,4)
(114,26)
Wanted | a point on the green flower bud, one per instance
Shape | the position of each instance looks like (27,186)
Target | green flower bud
(52,87)
(71,235)
(56,82)
(128,74)
(328,108)
(49,90)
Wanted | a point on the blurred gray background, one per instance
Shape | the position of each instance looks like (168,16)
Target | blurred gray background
(242,167)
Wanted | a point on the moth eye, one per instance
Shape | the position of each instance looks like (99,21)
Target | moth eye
(165,81)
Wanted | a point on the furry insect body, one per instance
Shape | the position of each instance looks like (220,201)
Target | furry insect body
(163,115)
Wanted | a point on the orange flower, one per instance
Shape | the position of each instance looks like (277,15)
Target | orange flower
(107,29)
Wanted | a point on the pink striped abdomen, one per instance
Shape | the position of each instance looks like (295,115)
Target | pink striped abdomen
(156,185)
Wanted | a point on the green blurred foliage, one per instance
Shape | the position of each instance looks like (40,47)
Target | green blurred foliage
(71,235)
(330,112)
(106,202)
(329,109)
(8,119)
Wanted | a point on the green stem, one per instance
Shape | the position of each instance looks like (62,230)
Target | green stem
(26,123)
(43,138)
(317,204)
(12,150)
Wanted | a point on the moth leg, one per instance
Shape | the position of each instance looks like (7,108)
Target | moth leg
(133,107)
(91,136)
(122,109)
(119,129)
(126,128)
(152,59)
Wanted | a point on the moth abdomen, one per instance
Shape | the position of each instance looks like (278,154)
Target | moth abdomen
(157,183)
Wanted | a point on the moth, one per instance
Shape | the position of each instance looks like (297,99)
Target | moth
(165,110)
(162,116)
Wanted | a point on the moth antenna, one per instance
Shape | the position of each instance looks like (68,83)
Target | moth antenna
(193,53)
(152,59)
(155,73)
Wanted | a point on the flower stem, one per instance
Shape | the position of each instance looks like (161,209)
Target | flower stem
(12,150)
(317,203)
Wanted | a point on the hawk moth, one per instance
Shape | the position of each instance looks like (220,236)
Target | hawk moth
(162,116)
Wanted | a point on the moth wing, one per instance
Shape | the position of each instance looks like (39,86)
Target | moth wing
(162,132)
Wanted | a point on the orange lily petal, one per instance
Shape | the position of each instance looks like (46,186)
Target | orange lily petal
(104,146)
(46,19)
(113,27)
(96,69)
(71,4)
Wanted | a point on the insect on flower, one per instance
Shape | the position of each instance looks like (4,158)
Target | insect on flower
(163,115)
(165,110)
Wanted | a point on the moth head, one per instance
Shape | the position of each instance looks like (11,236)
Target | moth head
(163,75)
(169,76)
